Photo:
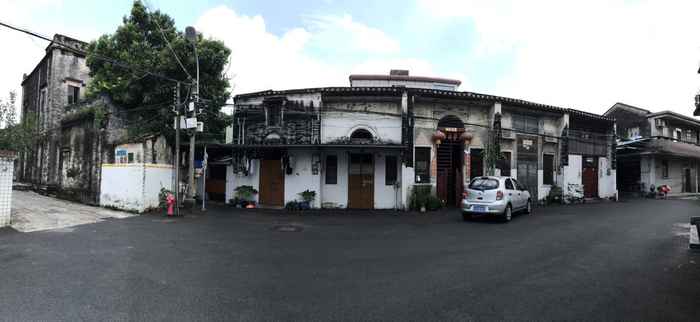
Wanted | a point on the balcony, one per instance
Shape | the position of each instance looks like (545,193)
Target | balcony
(669,146)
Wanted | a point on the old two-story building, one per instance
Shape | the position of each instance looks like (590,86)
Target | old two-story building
(75,135)
(369,145)
(656,149)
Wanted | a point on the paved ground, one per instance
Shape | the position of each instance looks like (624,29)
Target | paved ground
(623,261)
(33,212)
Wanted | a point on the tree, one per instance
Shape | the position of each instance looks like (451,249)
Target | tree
(14,136)
(139,42)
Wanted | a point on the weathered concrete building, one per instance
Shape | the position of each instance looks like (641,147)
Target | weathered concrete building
(656,149)
(371,144)
(76,136)
(58,80)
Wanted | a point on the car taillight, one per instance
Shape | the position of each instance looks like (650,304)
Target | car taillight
(499,195)
(465,195)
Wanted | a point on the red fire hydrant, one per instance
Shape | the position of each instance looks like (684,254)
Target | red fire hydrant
(170,200)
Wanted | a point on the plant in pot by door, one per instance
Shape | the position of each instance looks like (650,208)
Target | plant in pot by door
(307,199)
(246,196)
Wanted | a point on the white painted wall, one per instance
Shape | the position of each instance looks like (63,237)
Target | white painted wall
(157,176)
(339,124)
(302,178)
(542,189)
(571,173)
(134,187)
(607,179)
(385,197)
(121,186)
(6,174)
(335,195)
(234,180)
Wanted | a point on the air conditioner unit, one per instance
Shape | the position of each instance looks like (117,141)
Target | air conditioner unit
(659,123)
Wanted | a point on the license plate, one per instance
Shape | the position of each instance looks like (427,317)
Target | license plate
(479,208)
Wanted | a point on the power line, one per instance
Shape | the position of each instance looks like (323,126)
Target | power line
(95,55)
(167,42)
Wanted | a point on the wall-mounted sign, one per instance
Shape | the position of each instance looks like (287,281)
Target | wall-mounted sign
(527,144)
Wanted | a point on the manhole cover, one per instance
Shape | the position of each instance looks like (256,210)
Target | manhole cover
(287,228)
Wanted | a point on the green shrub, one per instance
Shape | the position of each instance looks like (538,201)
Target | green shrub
(246,192)
(555,194)
(163,198)
(308,195)
(433,203)
(419,197)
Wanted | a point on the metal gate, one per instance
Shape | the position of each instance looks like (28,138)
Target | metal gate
(527,164)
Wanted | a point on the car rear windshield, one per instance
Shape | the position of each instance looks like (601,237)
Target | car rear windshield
(483,184)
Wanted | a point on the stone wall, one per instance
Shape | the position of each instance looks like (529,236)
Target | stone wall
(89,132)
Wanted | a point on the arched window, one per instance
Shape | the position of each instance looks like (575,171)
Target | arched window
(451,121)
(361,135)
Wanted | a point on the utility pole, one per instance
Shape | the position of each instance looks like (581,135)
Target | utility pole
(191,190)
(191,35)
(177,149)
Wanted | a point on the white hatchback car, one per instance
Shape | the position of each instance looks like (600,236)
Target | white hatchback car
(499,196)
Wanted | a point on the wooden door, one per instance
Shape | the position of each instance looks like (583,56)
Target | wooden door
(687,180)
(361,182)
(589,177)
(271,183)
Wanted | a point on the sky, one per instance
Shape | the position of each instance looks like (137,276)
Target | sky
(576,54)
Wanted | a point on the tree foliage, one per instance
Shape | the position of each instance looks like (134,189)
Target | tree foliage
(139,42)
(15,136)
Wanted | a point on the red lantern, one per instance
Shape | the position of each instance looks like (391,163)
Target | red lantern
(438,137)
(466,137)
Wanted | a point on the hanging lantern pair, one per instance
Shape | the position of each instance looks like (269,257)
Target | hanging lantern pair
(438,137)
(466,137)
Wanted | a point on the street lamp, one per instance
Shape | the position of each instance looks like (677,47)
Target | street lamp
(191,36)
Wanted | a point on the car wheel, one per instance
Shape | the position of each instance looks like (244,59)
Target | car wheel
(508,214)
(466,216)
(528,208)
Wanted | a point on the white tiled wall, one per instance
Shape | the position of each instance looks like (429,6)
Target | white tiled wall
(6,171)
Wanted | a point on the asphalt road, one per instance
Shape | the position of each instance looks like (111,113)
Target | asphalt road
(612,261)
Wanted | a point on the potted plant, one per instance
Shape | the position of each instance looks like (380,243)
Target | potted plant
(234,202)
(292,205)
(420,197)
(307,197)
(246,195)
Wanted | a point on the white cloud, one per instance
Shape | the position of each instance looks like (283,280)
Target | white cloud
(589,54)
(26,51)
(352,35)
(261,60)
